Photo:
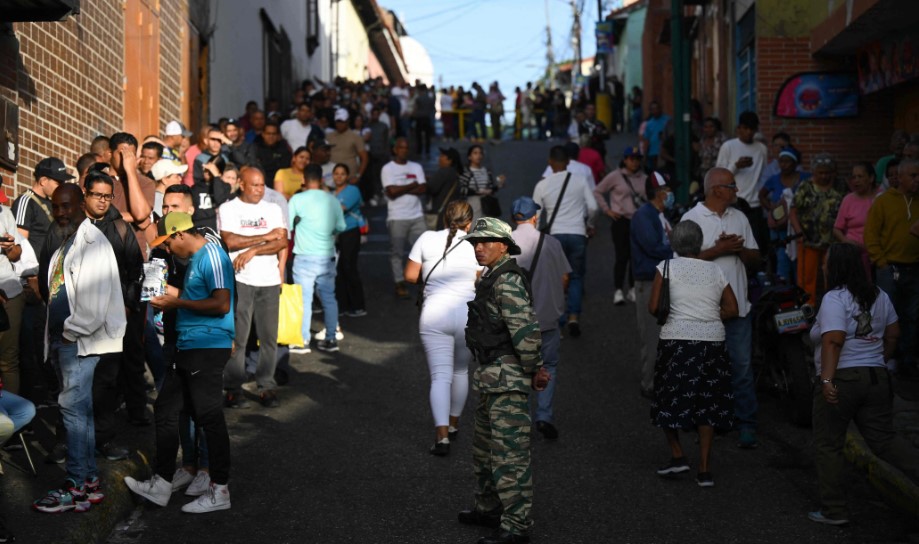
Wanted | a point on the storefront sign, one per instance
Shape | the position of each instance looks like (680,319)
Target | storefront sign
(604,32)
(883,65)
(818,95)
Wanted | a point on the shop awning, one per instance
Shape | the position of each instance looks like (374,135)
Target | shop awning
(20,11)
(859,23)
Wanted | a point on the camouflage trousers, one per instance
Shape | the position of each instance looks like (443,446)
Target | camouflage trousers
(501,458)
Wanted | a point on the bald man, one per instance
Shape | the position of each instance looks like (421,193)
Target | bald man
(728,242)
(256,236)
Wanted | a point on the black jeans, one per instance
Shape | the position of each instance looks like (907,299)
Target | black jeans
(621,230)
(132,363)
(196,384)
(348,287)
(106,397)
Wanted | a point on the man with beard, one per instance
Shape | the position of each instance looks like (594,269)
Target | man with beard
(85,320)
(242,153)
(129,362)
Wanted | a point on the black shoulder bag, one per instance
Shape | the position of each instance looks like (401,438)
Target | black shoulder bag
(663,301)
(558,202)
(532,269)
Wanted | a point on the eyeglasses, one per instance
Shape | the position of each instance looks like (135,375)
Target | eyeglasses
(731,186)
(215,139)
(100,196)
(823,161)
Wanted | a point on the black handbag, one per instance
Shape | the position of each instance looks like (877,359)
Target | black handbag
(663,301)
(490,206)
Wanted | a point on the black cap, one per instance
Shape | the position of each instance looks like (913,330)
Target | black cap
(53,168)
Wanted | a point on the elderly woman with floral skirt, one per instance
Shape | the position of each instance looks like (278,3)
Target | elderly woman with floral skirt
(692,376)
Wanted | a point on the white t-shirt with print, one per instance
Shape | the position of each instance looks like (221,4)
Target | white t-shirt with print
(407,206)
(455,275)
(838,312)
(696,287)
(246,219)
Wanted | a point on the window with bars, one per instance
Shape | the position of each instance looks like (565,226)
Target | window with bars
(746,61)
(312,26)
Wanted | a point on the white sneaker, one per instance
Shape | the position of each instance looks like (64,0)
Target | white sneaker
(156,489)
(630,296)
(618,298)
(216,498)
(181,478)
(339,336)
(199,485)
(299,349)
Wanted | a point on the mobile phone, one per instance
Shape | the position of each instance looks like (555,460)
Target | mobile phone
(6,238)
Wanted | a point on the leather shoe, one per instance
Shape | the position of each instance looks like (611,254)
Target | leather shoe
(547,429)
(483,519)
(504,537)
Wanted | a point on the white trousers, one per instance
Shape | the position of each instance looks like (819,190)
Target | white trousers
(442,326)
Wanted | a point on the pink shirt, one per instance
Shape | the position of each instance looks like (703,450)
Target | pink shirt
(620,193)
(591,158)
(190,155)
(853,212)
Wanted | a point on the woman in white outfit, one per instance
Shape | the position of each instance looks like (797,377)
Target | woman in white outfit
(447,269)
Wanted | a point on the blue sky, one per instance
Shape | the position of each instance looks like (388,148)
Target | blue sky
(493,40)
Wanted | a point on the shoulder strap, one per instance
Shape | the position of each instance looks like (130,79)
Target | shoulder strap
(558,202)
(431,271)
(446,201)
(41,205)
(542,238)
(122,229)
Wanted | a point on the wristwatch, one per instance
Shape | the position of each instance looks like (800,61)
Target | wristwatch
(826,380)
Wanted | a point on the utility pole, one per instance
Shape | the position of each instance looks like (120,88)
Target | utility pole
(681,97)
(576,43)
(550,55)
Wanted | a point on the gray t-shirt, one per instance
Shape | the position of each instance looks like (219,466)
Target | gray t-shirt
(547,287)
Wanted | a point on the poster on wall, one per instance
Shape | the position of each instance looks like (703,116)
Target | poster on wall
(882,65)
(604,31)
(818,95)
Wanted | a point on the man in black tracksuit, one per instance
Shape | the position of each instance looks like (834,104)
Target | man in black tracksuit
(119,372)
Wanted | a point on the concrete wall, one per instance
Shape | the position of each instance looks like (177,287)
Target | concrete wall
(236,53)
(352,46)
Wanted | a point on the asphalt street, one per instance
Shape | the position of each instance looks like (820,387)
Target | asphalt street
(345,458)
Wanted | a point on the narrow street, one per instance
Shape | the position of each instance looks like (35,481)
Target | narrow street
(345,457)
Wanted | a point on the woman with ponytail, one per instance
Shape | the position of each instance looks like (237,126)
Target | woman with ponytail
(446,269)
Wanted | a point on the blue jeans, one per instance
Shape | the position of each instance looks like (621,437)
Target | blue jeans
(551,340)
(153,351)
(15,413)
(783,263)
(575,248)
(739,340)
(76,400)
(904,293)
(310,271)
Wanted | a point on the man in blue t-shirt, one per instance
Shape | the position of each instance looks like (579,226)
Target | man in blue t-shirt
(205,326)
(655,127)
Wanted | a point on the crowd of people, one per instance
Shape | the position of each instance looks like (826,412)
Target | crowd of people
(234,214)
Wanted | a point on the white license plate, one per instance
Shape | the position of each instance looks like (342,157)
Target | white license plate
(790,321)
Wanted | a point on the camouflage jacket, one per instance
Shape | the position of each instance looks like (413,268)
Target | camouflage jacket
(510,302)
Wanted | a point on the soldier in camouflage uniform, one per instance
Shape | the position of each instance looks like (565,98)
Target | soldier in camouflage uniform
(503,335)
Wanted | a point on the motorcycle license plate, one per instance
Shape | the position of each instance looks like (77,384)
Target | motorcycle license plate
(790,321)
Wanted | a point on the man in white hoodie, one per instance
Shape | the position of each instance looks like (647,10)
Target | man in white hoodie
(86,319)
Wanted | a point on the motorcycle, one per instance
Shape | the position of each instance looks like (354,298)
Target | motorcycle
(782,358)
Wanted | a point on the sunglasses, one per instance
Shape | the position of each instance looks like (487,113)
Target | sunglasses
(731,186)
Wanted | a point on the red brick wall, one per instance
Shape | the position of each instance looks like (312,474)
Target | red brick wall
(69,81)
(863,138)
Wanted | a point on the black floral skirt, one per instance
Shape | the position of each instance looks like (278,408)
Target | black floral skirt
(692,385)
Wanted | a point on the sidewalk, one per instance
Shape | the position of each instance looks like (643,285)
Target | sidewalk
(19,488)
(898,490)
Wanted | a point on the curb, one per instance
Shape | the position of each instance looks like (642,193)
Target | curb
(116,507)
(897,489)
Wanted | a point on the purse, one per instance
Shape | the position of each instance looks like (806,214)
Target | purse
(663,301)
(490,206)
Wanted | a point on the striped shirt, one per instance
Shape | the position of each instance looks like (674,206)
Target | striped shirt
(33,214)
(209,269)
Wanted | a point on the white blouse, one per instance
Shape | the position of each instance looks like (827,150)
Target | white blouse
(696,287)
